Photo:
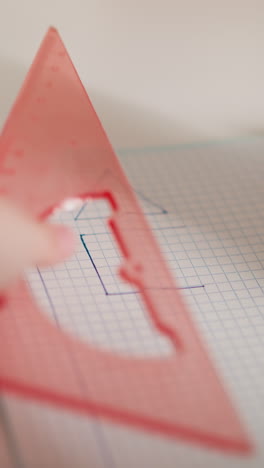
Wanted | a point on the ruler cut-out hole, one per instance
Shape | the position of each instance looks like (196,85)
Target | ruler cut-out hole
(86,296)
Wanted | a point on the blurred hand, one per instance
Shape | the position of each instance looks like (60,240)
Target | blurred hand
(26,242)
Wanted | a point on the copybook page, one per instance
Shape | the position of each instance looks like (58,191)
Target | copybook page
(205,205)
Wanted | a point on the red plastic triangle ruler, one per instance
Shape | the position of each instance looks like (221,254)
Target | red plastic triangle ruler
(53,147)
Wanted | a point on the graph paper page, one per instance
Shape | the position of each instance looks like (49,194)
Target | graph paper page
(205,205)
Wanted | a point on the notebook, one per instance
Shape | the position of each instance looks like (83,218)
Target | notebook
(205,206)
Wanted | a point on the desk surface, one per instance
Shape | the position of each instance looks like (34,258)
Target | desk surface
(158,72)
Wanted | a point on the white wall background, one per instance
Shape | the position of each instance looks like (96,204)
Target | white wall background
(158,71)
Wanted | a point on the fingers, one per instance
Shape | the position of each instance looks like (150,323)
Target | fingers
(49,244)
(25,242)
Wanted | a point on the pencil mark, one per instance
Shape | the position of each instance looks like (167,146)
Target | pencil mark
(124,293)
(159,208)
(151,202)
(98,431)
(94,265)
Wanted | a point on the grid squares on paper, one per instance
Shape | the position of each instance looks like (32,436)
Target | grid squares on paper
(74,296)
(214,197)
